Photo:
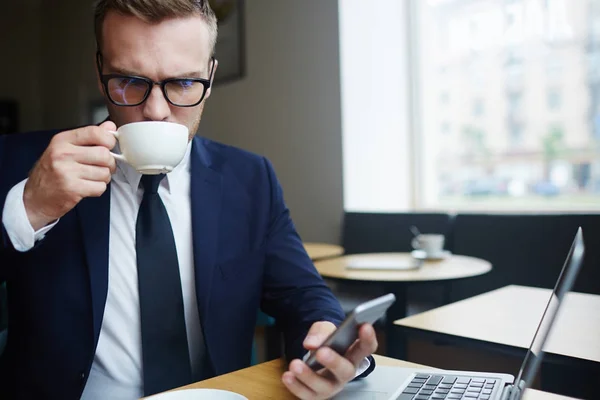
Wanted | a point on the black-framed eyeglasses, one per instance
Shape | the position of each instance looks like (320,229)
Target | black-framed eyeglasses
(130,91)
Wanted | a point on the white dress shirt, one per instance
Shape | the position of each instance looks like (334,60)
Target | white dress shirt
(117,367)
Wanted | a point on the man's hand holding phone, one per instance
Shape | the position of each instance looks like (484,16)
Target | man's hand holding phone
(337,370)
(336,353)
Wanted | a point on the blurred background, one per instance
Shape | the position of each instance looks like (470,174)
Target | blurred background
(395,105)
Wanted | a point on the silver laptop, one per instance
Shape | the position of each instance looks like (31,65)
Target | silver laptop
(467,385)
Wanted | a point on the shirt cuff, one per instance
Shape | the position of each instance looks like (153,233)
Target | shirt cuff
(364,366)
(16,222)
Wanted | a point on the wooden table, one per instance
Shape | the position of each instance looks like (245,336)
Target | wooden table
(509,317)
(506,319)
(320,251)
(450,269)
(263,381)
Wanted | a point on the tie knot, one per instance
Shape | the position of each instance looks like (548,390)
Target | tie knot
(150,183)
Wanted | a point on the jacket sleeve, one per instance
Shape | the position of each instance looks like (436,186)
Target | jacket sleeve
(294,292)
(18,154)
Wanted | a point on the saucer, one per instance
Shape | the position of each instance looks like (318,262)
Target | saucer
(198,394)
(422,255)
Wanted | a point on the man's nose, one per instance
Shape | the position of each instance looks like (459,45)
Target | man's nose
(156,106)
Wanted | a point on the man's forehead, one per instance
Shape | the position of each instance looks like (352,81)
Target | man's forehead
(179,34)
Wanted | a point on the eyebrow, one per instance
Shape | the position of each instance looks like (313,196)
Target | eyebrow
(124,71)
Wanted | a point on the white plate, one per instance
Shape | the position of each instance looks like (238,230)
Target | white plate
(421,255)
(383,264)
(199,394)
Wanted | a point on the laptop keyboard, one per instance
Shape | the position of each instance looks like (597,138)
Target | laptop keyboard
(442,387)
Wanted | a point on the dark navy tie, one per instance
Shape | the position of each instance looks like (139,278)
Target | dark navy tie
(165,355)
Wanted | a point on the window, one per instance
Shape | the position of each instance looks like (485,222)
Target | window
(445,129)
(513,67)
(553,99)
(471,105)
(554,68)
(516,134)
(594,20)
(478,107)
(516,130)
(558,26)
(444,98)
(514,102)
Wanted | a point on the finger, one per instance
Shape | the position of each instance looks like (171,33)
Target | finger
(112,165)
(91,136)
(108,125)
(319,331)
(91,188)
(96,155)
(297,388)
(364,346)
(317,383)
(95,173)
(340,367)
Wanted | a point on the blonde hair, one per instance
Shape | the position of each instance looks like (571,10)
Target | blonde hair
(153,11)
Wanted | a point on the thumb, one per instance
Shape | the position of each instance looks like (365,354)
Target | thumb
(317,334)
(108,125)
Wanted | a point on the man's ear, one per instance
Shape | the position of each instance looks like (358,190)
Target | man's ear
(98,81)
(212,79)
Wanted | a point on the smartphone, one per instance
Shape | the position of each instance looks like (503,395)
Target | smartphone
(346,334)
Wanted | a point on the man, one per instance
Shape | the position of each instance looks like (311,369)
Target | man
(92,314)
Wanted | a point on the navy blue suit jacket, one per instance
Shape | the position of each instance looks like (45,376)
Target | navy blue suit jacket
(247,255)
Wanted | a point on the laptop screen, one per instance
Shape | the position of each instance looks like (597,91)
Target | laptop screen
(563,285)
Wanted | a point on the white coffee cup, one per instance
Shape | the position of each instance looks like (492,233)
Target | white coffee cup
(431,244)
(152,147)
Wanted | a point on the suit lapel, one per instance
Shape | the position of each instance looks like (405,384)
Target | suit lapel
(94,218)
(206,206)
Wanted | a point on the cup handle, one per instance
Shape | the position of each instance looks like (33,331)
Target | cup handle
(120,157)
(415,243)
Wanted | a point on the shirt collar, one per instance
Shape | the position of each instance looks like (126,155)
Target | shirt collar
(133,177)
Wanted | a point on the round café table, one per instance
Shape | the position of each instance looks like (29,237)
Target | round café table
(321,251)
(395,271)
